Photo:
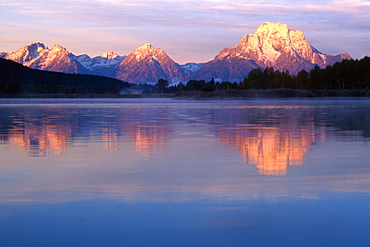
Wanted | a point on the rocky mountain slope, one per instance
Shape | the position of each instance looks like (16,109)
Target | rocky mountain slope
(191,67)
(37,56)
(59,59)
(147,64)
(104,65)
(272,45)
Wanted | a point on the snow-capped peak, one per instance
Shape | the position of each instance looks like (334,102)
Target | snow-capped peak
(27,53)
(57,48)
(272,44)
(145,51)
(146,46)
(147,64)
(109,55)
(38,44)
(107,59)
(268,27)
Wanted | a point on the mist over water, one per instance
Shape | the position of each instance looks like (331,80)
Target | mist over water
(159,172)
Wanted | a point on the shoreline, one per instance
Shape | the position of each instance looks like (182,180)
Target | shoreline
(215,95)
(274,94)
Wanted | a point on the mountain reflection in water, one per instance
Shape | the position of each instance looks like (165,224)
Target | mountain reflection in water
(272,149)
(270,137)
(273,138)
(158,172)
(38,134)
(47,130)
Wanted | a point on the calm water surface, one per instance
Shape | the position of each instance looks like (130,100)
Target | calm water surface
(158,172)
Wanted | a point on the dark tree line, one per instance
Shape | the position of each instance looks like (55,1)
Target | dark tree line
(196,85)
(14,87)
(345,75)
(18,79)
(10,87)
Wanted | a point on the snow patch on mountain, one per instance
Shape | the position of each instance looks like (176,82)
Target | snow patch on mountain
(105,59)
(3,54)
(109,55)
(37,56)
(26,54)
(191,67)
(84,60)
(272,45)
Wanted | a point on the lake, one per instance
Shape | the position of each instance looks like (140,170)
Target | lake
(162,172)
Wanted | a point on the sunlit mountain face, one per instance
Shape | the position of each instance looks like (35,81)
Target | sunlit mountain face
(272,45)
(147,64)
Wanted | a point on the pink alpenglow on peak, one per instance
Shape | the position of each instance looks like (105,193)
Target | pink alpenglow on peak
(109,55)
(26,54)
(146,46)
(272,45)
(147,64)
(37,56)
(58,48)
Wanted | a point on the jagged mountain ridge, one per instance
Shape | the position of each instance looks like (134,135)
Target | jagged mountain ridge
(147,64)
(272,45)
(191,67)
(58,59)
(38,56)
(104,65)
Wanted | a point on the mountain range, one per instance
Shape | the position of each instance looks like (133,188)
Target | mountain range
(272,45)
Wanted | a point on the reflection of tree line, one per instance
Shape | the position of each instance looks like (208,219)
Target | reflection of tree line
(272,139)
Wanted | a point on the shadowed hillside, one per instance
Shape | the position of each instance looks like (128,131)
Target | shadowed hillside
(18,79)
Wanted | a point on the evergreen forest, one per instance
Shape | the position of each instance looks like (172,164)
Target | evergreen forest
(16,79)
(344,75)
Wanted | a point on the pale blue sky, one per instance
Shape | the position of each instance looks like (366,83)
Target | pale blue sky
(189,31)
